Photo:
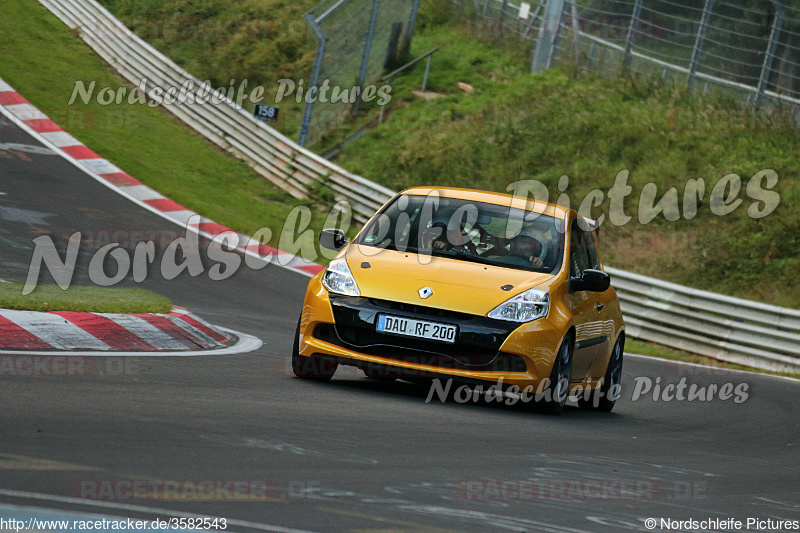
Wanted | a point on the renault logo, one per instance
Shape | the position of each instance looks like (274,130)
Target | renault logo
(425,292)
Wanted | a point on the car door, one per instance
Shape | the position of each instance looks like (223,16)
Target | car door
(588,308)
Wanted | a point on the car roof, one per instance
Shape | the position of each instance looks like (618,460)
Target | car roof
(489,198)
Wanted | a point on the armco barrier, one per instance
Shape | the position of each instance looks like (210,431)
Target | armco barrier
(729,329)
(275,157)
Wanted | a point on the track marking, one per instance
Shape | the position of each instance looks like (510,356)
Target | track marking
(10,461)
(407,526)
(156,511)
(750,372)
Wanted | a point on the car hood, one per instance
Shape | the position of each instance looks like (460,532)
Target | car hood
(457,285)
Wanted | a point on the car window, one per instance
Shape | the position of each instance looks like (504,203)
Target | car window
(591,250)
(469,231)
(583,252)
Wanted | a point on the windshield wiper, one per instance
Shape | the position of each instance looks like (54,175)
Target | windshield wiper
(466,257)
(391,246)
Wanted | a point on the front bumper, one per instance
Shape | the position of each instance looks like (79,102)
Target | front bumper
(485,350)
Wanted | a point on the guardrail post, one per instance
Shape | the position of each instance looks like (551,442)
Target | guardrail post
(698,43)
(362,73)
(632,29)
(769,55)
(548,35)
(314,78)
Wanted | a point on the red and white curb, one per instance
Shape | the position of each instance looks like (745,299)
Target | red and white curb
(81,333)
(36,123)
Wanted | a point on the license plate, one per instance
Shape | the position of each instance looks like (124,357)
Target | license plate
(421,329)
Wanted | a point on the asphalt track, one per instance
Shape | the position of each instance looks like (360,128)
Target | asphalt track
(355,454)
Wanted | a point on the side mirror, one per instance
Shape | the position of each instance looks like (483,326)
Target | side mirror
(590,280)
(332,239)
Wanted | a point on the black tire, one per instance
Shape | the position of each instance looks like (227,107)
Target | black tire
(557,392)
(604,398)
(314,367)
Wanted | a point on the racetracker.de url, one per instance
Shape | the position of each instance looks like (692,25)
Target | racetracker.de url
(122,524)
(722,524)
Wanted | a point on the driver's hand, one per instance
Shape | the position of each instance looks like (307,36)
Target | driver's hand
(439,244)
(537,262)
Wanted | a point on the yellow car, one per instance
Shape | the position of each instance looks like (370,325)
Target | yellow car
(478,287)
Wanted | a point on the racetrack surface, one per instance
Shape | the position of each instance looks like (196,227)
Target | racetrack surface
(353,454)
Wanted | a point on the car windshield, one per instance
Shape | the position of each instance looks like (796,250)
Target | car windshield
(479,232)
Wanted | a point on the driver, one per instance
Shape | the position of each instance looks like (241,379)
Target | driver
(451,240)
(528,248)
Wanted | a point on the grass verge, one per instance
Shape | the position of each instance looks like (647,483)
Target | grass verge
(665,352)
(76,298)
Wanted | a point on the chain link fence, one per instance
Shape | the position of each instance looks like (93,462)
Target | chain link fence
(751,47)
(356,40)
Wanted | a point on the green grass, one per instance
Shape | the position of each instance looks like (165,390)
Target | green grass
(665,352)
(150,144)
(77,298)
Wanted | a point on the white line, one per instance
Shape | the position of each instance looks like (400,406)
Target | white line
(145,509)
(653,357)
(4,87)
(245,343)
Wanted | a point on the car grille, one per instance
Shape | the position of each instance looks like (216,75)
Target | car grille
(476,348)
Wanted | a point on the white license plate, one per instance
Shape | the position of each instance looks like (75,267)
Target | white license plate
(421,329)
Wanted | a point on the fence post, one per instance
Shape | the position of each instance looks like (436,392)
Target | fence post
(314,77)
(576,27)
(632,29)
(548,35)
(769,55)
(698,44)
(409,34)
(362,73)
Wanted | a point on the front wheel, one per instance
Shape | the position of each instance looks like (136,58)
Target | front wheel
(606,396)
(315,367)
(558,390)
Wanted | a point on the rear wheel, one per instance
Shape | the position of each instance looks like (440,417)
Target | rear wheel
(315,367)
(604,398)
(558,390)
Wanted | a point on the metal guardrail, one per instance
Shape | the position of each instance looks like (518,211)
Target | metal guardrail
(271,154)
(725,328)
(730,329)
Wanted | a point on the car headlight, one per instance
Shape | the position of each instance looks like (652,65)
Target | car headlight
(338,278)
(529,305)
